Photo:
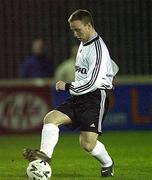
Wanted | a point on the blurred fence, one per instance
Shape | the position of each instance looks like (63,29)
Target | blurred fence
(125,25)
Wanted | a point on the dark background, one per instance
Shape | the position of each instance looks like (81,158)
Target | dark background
(125,25)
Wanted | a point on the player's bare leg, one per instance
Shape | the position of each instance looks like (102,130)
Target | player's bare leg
(49,138)
(89,142)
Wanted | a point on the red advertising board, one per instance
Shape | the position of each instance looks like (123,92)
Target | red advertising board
(22,108)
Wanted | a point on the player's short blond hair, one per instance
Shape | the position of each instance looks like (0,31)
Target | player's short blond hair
(82,15)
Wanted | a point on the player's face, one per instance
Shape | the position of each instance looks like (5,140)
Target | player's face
(80,30)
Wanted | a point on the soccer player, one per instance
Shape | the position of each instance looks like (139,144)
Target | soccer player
(94,73)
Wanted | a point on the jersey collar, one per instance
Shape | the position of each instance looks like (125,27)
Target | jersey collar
(94,38)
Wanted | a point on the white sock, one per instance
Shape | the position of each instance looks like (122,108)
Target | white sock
(49,138)
(100,153)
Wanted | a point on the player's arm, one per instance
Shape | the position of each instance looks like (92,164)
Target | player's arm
(100,75)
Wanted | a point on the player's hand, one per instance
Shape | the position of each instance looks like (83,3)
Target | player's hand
(115,81)
(60,85)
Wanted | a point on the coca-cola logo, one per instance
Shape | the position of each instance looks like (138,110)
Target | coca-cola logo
(22,111)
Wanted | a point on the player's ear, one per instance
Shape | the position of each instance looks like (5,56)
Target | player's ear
(89,25)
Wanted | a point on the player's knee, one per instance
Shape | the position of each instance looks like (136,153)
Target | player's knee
(49,118)
(87,146)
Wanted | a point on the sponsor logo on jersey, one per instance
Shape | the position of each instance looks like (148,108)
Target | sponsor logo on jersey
(81,70)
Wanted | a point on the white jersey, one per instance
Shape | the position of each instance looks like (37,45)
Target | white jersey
(94,69)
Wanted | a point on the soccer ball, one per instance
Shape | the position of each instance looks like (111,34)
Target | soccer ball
(39,170)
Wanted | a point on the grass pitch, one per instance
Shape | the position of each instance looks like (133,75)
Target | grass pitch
(131,151)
